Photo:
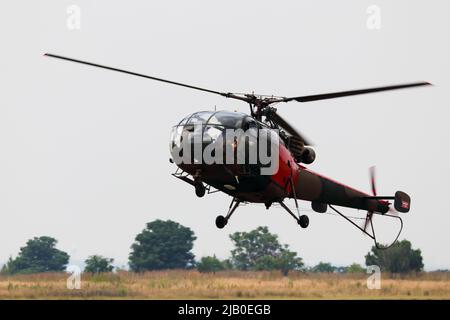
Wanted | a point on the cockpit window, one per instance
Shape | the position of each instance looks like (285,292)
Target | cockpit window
(200,117)
(220,118)
(182,122)
(227,119)
(213,126)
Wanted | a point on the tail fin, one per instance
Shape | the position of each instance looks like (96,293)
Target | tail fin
(402,202)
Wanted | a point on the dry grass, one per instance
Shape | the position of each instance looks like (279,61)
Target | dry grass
(224,285)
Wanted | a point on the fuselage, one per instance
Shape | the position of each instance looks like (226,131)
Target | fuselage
(245,181)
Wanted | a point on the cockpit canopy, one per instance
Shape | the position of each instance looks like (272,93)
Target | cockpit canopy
(213,124)
(219,137)
(205,127)
(226,119)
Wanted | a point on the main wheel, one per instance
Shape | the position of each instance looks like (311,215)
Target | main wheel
(303,221)
(221,222)
(200,189)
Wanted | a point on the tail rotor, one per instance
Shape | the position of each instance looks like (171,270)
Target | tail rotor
(369,215)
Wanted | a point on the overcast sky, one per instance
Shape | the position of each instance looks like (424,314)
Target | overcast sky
(84,151)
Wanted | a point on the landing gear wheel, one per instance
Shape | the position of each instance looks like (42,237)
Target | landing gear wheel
(200,189)
(221,222)
(303,221)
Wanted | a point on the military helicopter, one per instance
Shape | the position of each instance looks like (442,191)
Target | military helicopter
(245,182)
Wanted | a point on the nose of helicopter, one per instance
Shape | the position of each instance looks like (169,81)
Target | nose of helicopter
(208,124)
(203,128)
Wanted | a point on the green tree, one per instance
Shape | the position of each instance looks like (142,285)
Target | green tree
(227,264)
(355,268)
(284,261)
(260,250)
(7,266)
(210,264)
(288,260)
(162,245)
(39,255)
(400,258)
(98,264)
(323,267)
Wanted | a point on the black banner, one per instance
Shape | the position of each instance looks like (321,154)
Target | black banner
(224,309)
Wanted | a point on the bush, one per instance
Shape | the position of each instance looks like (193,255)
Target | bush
(323,267)
(98,264)
(210,264)
(355,268)
(260,250)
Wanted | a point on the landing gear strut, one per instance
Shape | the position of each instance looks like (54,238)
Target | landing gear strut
(302,220)
(222,221)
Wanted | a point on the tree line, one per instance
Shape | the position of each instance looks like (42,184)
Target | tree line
(168,245)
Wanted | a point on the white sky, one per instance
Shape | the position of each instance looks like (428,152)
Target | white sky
(84,151)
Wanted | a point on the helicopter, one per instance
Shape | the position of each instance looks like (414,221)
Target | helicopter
(245,181)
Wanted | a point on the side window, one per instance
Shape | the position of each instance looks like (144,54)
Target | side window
(250,123)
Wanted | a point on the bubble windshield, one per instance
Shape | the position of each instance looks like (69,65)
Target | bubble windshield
(213,124)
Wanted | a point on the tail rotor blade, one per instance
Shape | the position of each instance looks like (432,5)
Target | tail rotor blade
(372,180)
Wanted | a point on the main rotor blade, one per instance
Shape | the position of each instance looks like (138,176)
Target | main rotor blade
(353,92)
(275,117)
(228,95)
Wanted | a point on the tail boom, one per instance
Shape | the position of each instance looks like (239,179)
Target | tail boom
(311,186)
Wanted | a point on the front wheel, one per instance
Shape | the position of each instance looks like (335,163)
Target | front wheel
(221,222)
(200,189)
(303,221)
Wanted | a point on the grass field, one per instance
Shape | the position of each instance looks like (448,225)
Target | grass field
(224,285)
